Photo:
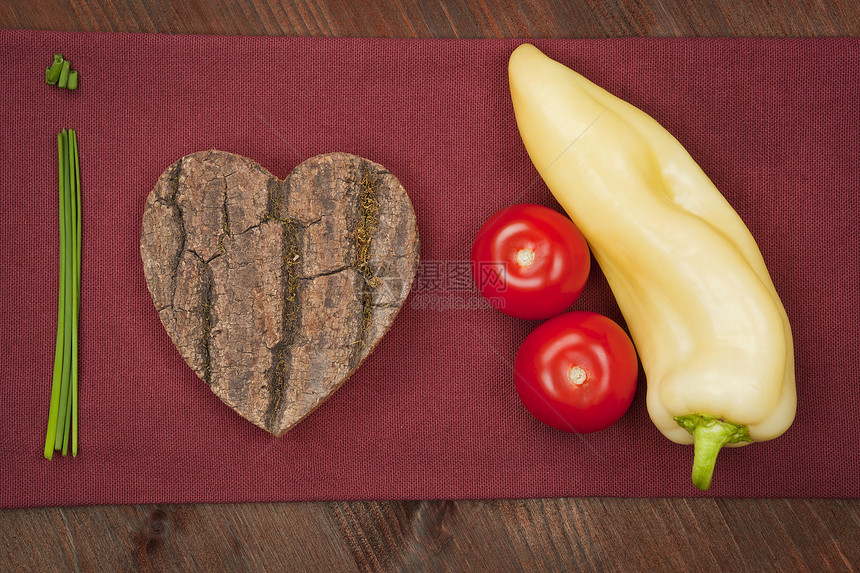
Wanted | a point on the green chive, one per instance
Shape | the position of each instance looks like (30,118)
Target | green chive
(67,423)
(61,301)
(63,414)
(67,335)
(77,300)
(61,74)
(72,331)
(52,74)
(64,75)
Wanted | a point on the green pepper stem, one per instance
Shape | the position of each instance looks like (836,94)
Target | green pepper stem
(710,434)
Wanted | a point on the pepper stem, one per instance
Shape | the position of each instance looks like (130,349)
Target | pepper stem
(710,434)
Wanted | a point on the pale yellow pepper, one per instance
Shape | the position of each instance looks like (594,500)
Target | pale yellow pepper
(711,332)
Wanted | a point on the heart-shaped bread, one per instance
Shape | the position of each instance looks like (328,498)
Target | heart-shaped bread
(275,291)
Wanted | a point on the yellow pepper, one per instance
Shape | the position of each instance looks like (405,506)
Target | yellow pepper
(710,329)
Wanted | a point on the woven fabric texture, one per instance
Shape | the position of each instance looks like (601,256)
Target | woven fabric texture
(432,413)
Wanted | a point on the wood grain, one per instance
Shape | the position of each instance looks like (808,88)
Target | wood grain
(493,535)
(497,535)
(274,291)
(438,19)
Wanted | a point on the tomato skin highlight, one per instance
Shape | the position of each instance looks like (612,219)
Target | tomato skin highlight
(530,261)
(577,372)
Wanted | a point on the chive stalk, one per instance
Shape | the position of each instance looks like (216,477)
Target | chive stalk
(67,307)
(61,302)
(77,303)
(63,413)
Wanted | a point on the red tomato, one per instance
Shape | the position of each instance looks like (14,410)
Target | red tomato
(577,372)
(530,261)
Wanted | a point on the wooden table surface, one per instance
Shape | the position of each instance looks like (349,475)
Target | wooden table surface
(592,534)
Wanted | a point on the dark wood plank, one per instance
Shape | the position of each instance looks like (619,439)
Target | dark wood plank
(441,19)
(492,535)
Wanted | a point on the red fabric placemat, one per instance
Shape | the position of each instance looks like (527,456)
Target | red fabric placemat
(433,412)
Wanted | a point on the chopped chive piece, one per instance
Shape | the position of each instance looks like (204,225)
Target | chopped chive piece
(64,75)
(61,74)
(52,74)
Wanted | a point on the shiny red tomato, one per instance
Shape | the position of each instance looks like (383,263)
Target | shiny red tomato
(530,261)
(577,372)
